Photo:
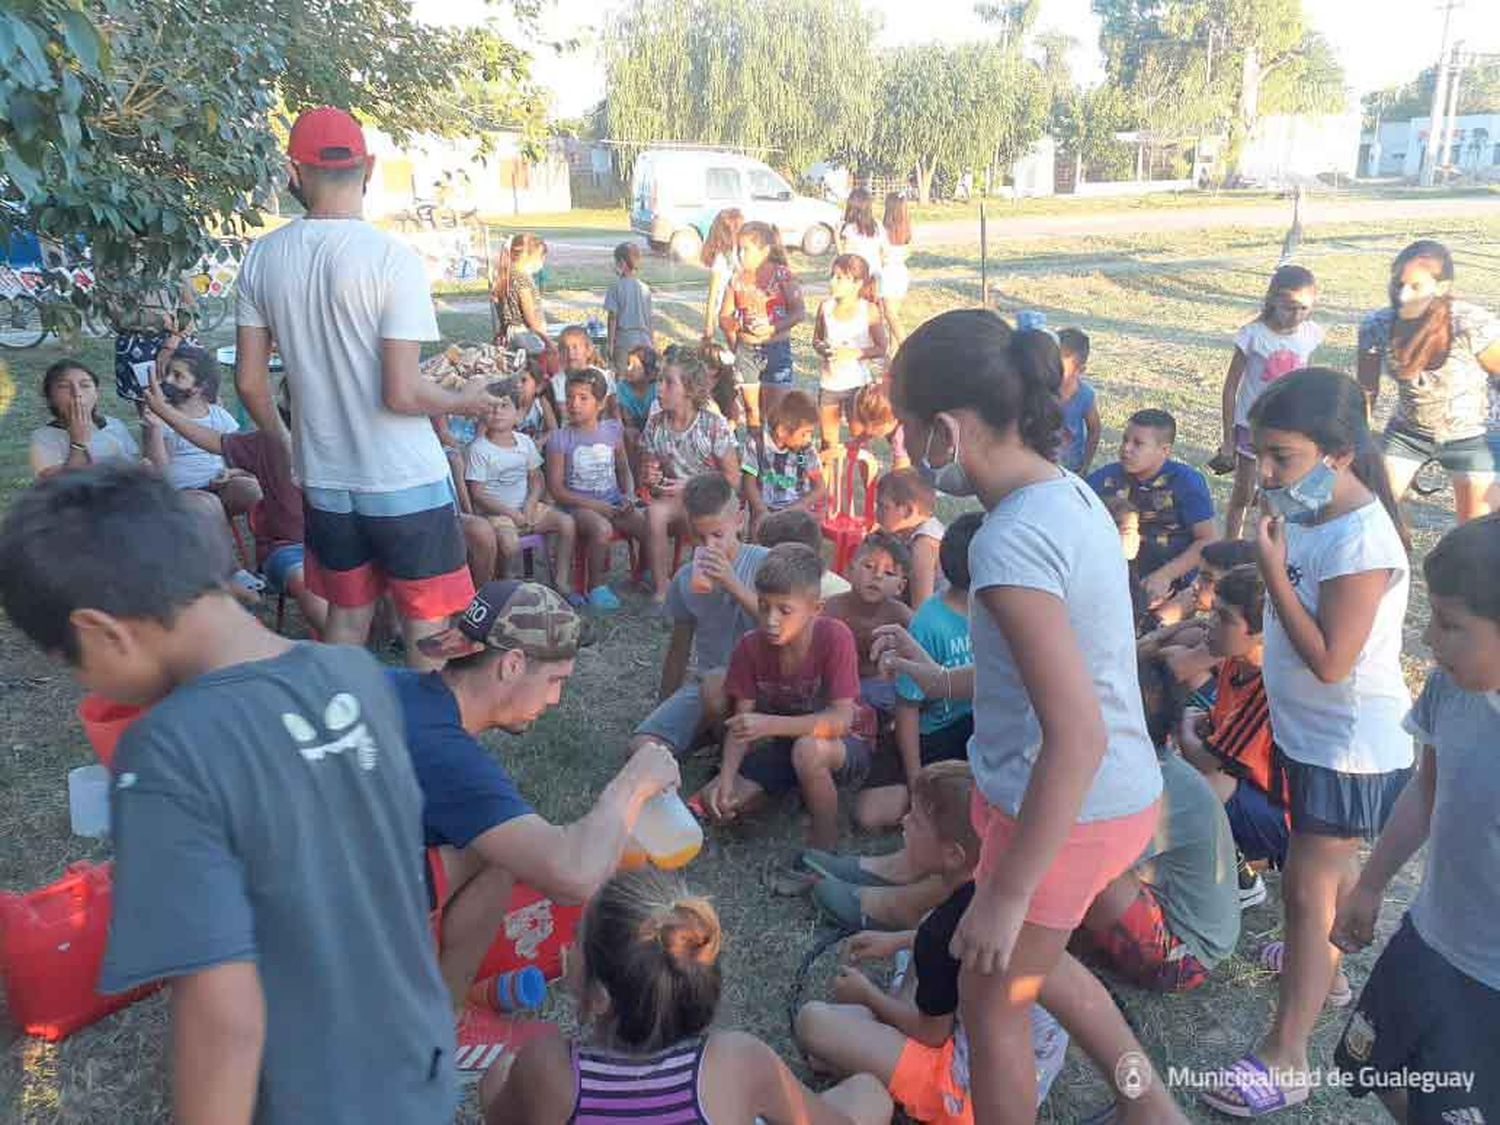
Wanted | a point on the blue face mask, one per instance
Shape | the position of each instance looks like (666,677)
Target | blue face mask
(1302,500)
(949,478)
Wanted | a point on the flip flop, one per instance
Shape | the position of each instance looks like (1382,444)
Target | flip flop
(839,903)
(1340,993)
(1247,1089)
(844,868)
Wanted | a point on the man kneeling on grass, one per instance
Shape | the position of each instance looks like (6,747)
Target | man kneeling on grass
(508,655)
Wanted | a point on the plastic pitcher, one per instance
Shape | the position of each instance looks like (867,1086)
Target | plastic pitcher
(88,800)
(667,832)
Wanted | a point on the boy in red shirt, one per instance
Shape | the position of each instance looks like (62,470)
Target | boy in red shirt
(793,684)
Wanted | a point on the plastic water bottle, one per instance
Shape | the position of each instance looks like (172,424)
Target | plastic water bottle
(520,990)
(667,832)
(88,800)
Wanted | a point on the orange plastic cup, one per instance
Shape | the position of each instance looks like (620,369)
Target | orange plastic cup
(104,720)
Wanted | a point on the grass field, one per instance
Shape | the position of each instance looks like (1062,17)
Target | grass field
(1160,311)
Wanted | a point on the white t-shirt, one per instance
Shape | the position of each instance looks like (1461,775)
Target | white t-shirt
(1268,356)
(1353,726)
(502,472)
(50,445)
(187,465)
(1056,536)
(330,290)
(870,247)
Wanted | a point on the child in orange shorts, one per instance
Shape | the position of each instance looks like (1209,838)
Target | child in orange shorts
(911,1039)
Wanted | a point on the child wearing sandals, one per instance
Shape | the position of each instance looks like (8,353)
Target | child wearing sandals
(1432,1003)
(913,1040)
(649,990)
(1336,574)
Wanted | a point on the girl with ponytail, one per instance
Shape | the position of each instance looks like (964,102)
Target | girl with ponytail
(649,990)
(1443,355)
(1067,785)
(1334,563)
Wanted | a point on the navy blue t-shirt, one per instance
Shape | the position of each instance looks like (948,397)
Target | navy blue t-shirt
(465,792)
(1169,503)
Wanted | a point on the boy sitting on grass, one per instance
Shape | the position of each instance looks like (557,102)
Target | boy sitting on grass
(1432,1003)
(1172,498)
(265,815)
(1165,923)
(712,603)
(1232,744)
(878,573)
(913,1040)
(935,730)
(794,525)
(793,684)
(904,501)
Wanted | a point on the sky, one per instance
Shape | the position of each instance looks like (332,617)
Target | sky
(1380,42)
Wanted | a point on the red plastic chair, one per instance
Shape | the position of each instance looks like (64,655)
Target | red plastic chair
(253,520)
(850,474)
(580,560)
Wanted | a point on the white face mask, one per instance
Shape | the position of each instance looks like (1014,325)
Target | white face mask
(950,478)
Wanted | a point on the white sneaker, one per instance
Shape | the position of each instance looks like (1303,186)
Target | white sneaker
(1252,893)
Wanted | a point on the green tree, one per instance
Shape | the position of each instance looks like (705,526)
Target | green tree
(1478,92)
(1014,19)
(953,109)
(148,127)
(1218,62)
(792,78)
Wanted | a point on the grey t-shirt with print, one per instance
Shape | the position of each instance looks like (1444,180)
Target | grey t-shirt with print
(1452,402)
(1459,901)
(718,620)
(1190,865)
(268,813)
(1056,536)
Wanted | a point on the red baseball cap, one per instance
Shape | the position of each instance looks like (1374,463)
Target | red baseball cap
(327,137)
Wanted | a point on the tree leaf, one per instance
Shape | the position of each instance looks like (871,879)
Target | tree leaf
(83,39)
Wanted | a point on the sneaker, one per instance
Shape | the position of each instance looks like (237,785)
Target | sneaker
(576,600)
(603,600)
(247,581)
(1252,887)
(1049,1049)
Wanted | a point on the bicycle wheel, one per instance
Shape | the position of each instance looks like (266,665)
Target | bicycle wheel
(210,312)
(21,324)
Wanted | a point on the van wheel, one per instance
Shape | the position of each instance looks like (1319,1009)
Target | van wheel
(817,241)
(686,245)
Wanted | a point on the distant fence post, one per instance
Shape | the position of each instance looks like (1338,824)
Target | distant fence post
(984,258)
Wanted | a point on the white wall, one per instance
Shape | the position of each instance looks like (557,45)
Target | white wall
(1290,147)
(500,182)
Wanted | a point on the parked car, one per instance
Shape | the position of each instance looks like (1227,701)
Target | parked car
(675,194)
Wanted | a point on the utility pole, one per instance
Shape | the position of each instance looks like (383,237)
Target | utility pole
(1439,98)
(1455,72)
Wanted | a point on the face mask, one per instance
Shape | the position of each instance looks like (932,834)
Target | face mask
(174,394)
(1302,500)
(949,478)
(1412,306)
(294,189)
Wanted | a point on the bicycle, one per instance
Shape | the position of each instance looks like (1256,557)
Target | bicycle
(37,302)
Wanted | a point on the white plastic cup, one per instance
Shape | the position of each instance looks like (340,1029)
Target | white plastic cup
(88,800)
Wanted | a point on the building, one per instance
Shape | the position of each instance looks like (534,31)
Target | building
(1287,149)
(453,173)
(1400,147)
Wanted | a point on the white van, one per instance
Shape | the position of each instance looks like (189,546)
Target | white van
(675,194)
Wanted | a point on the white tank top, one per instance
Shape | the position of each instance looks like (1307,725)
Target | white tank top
(839,333)
(870,247)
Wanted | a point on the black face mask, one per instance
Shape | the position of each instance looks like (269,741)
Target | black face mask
(174,394)
(295,191)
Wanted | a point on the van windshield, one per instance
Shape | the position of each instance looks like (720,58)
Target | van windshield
(765,184)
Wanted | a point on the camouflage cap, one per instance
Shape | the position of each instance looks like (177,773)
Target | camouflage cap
(511,615)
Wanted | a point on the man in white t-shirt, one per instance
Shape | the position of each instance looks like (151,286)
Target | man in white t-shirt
(349,307)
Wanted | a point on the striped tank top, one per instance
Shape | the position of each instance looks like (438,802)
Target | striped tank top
(656,1089)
